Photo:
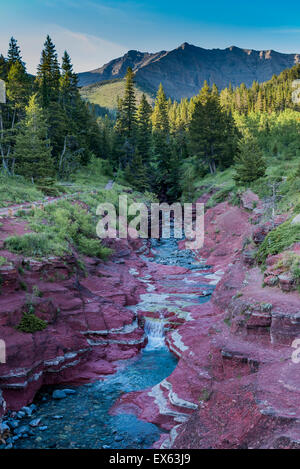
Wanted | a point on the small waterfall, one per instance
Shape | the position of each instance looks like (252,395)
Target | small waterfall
(154,329)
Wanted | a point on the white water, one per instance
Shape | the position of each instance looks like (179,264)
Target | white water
(154,329)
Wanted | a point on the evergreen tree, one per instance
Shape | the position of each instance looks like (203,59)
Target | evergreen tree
(3,68)
(14,54)
(250,164)
(48,75)
(129,107)
(32,149)
(161,144)
(18,87)
(126,123)
(211,131)
(68,81)
(143,139)
(160,119)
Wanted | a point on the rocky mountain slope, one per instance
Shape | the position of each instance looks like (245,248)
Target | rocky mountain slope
(183,70)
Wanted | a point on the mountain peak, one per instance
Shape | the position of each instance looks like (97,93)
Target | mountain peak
(184,45)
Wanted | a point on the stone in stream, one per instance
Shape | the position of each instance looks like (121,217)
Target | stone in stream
(35,422)
(59,394)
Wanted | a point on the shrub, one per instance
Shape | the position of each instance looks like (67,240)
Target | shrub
(278,240)
(30,323)
(35,244)
(3,260)
(57,229)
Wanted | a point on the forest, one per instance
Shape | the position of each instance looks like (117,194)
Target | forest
(49,133)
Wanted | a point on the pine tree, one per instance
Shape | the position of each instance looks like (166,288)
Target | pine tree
(48,75)
(32,149)
(160,119)
(3,68)
(68,81)
(129,106)
(18,87)
(211,131)
(250,164)
(126,123)
(161,142)
(143,139)
(14,54)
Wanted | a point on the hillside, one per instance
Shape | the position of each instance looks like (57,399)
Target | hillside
(106,94)
(183,70)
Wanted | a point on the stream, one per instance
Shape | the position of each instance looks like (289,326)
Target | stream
(82,419)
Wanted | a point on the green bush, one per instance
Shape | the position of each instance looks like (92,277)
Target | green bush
(36,244)
(30,323)
(57,229)
(278,240)
(3,260)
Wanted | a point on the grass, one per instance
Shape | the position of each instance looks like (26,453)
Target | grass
(57,229)
(16,190)
(106,94)
(278,240)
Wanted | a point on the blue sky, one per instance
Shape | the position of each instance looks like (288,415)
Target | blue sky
(95,31)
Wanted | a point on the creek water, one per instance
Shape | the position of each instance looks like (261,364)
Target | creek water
(82,420)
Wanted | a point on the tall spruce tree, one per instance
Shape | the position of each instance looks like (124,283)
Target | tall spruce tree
(48,75)
(250,164)
(32,150)
(126,123)
(144,127)
(18,89)
(68,81)
(162,144)
(129,107)
(14,53)
(211,131)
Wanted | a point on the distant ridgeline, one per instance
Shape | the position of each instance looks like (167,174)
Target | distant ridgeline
(182,71)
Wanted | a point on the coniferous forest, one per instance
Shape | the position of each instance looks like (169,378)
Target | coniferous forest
(48,132)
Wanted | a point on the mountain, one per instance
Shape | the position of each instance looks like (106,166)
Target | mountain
(183,70)
(117,68)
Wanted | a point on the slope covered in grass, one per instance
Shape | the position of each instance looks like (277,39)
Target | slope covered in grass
(106,94)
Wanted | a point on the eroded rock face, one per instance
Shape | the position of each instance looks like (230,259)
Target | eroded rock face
(235,385)
(88,330)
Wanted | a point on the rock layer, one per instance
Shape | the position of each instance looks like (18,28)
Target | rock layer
(89,327)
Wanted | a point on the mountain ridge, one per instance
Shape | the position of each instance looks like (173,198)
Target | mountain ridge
(183,70)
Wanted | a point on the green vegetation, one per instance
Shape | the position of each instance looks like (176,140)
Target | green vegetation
(30,323)
(57,230)
(279,240)
(16,190)
(106,94)
(250,164)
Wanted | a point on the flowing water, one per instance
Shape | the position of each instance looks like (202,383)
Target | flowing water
(82,420)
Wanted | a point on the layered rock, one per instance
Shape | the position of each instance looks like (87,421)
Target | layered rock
(89,327)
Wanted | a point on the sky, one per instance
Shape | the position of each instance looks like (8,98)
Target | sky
(96,31)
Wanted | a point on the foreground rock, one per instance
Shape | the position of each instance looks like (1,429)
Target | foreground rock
(88,328)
